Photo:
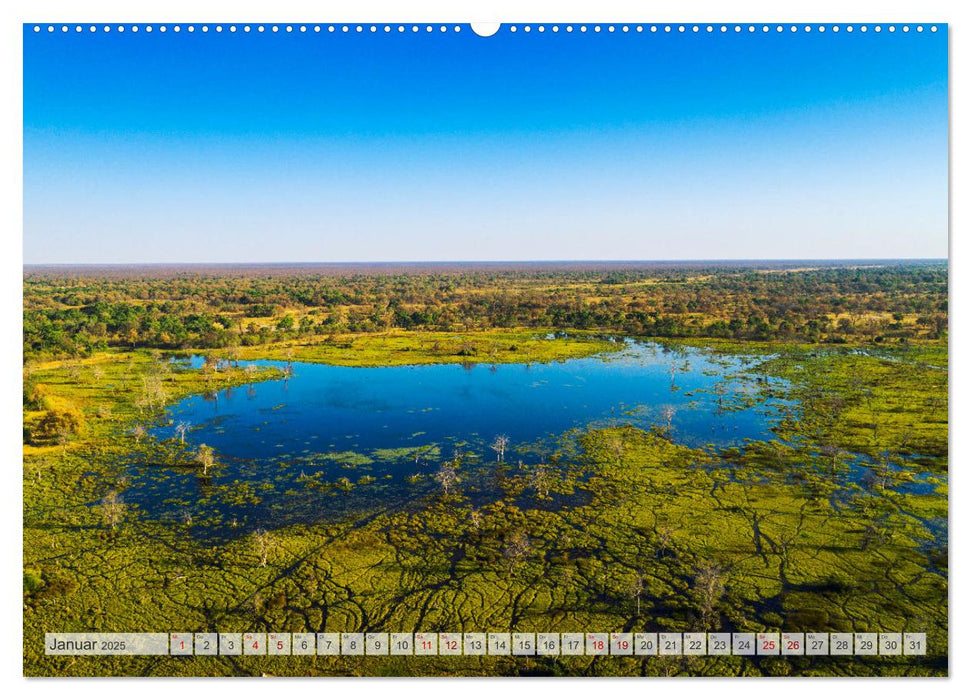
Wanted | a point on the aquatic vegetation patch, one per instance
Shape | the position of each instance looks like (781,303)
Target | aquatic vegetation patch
(617,527)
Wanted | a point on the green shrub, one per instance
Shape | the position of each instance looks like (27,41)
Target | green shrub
(32,581)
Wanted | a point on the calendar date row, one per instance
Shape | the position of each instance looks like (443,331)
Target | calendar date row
(490,644)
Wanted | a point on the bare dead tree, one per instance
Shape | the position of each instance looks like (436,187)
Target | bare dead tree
(709,587)
(499,444)
(264,543)
(206,457)
(636,589)
(447,475)
(208,367)
(63,436)
(421,451)
(37,469)
(832,454)
(665,536)
(616,445)
(181,428)
(541,480)
(153,393)
(667,415)
(112,509)
(161,367)
(74,370)
(515,549)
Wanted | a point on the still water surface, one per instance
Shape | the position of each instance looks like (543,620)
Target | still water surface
(389,423)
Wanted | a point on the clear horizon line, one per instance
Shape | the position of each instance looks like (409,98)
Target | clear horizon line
(489,262)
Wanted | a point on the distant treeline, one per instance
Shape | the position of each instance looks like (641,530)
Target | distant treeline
(76,315)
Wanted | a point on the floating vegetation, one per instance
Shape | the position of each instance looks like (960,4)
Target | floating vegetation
(833,519)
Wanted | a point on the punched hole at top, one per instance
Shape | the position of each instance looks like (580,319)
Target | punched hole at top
(485,28)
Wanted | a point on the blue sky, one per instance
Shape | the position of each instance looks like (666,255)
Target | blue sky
(390,147)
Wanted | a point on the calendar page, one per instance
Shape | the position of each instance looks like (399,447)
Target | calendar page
(514,349)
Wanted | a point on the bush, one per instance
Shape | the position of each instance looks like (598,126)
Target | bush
(809,619)
(34,394)
(32,581)
(56,423)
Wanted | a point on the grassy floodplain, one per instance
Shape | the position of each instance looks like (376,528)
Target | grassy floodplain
(395,348)
(838,523)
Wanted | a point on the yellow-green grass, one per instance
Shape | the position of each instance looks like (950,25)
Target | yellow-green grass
(419,347)
(785,558)
(760,521)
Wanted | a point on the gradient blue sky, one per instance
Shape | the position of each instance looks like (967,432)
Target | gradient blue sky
(391,147)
